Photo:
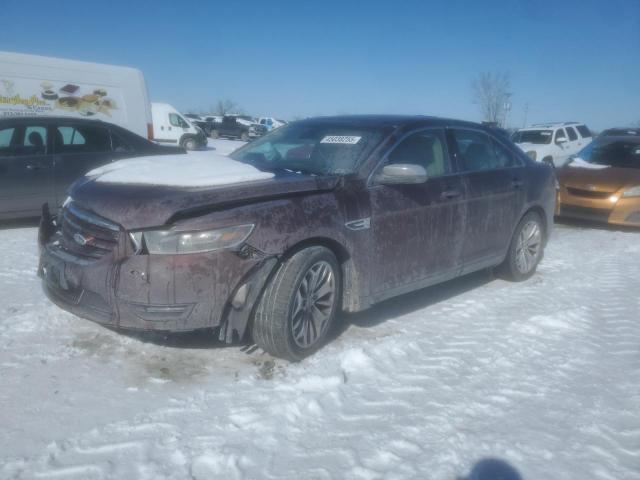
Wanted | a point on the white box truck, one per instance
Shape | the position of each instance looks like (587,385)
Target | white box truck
(172,128)
(34,85)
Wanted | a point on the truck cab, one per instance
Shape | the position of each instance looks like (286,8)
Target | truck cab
(171,128)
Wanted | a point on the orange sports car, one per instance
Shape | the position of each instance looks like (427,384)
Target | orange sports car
(602,182)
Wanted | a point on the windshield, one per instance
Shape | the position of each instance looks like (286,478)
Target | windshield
(619,154)
(313,149)
(533,136)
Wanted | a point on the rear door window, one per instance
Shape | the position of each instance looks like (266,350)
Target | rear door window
(476,151)
(82,139)
(505,158)
(572,134)
(560,133)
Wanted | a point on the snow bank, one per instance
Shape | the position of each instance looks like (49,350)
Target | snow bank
(196,170)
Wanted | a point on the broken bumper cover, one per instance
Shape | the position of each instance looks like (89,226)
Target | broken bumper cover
(155,292)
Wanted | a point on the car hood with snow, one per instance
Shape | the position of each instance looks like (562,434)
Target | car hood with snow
(148,192)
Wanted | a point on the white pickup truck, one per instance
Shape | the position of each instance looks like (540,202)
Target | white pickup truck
(553,143)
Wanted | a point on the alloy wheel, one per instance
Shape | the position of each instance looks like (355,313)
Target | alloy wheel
(313,304)
(529,247)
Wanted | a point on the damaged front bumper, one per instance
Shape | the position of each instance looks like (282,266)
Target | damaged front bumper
(103,280)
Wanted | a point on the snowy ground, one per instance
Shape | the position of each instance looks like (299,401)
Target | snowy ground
(543,375)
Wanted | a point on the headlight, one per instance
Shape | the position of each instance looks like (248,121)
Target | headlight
(170,242)
(532,155)
(632,192)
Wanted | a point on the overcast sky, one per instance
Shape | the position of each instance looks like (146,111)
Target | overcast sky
(568,60)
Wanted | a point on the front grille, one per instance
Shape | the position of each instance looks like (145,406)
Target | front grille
(595,214)
(579,192)
(87,235)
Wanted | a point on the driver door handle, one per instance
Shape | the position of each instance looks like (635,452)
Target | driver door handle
(35,166)
(450,194)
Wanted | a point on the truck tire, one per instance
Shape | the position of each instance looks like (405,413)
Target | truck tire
(244,137)
(549,161)
(189,143)
(215,133)
(299,304)
(526,249)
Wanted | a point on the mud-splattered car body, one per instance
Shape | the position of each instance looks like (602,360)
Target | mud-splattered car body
(389,239)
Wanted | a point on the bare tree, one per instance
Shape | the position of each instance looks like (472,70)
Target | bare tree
(492,91)
(224,107)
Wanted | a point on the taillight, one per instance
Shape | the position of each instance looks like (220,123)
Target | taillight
(150,131)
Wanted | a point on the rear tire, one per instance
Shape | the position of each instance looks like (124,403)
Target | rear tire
(244,137)
(299,305)
(526,249)
(215,134)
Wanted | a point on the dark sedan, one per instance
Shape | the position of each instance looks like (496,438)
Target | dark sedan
(40,157)
(340,214)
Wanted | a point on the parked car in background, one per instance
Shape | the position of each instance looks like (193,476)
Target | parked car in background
(44,86)
(621,132)
(553,143)
(40,157)
(236,127)
(602,182)
(271,123)
(171,128)
(288,241)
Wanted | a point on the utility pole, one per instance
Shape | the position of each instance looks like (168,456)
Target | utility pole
(507,107)
(526,112)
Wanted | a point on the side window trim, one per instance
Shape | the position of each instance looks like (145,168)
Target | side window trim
(385,157)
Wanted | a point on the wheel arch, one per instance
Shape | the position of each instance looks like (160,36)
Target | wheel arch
(185,137)
(351,283)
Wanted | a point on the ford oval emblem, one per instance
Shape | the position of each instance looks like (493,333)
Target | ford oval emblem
(80,240)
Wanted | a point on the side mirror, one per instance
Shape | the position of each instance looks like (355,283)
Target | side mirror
(561,140)
(402,173)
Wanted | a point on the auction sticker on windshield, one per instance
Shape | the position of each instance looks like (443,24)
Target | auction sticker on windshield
(343,139)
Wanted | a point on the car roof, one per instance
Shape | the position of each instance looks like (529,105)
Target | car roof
(52,119)
(635,139)
(551,125)
(382,121)
(621,132)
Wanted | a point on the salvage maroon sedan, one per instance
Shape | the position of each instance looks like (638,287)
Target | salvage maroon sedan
(321,215)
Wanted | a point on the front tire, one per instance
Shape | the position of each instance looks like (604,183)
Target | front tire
(299,305)
(244,137)
(526,249)
(215,134)
(189,143)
